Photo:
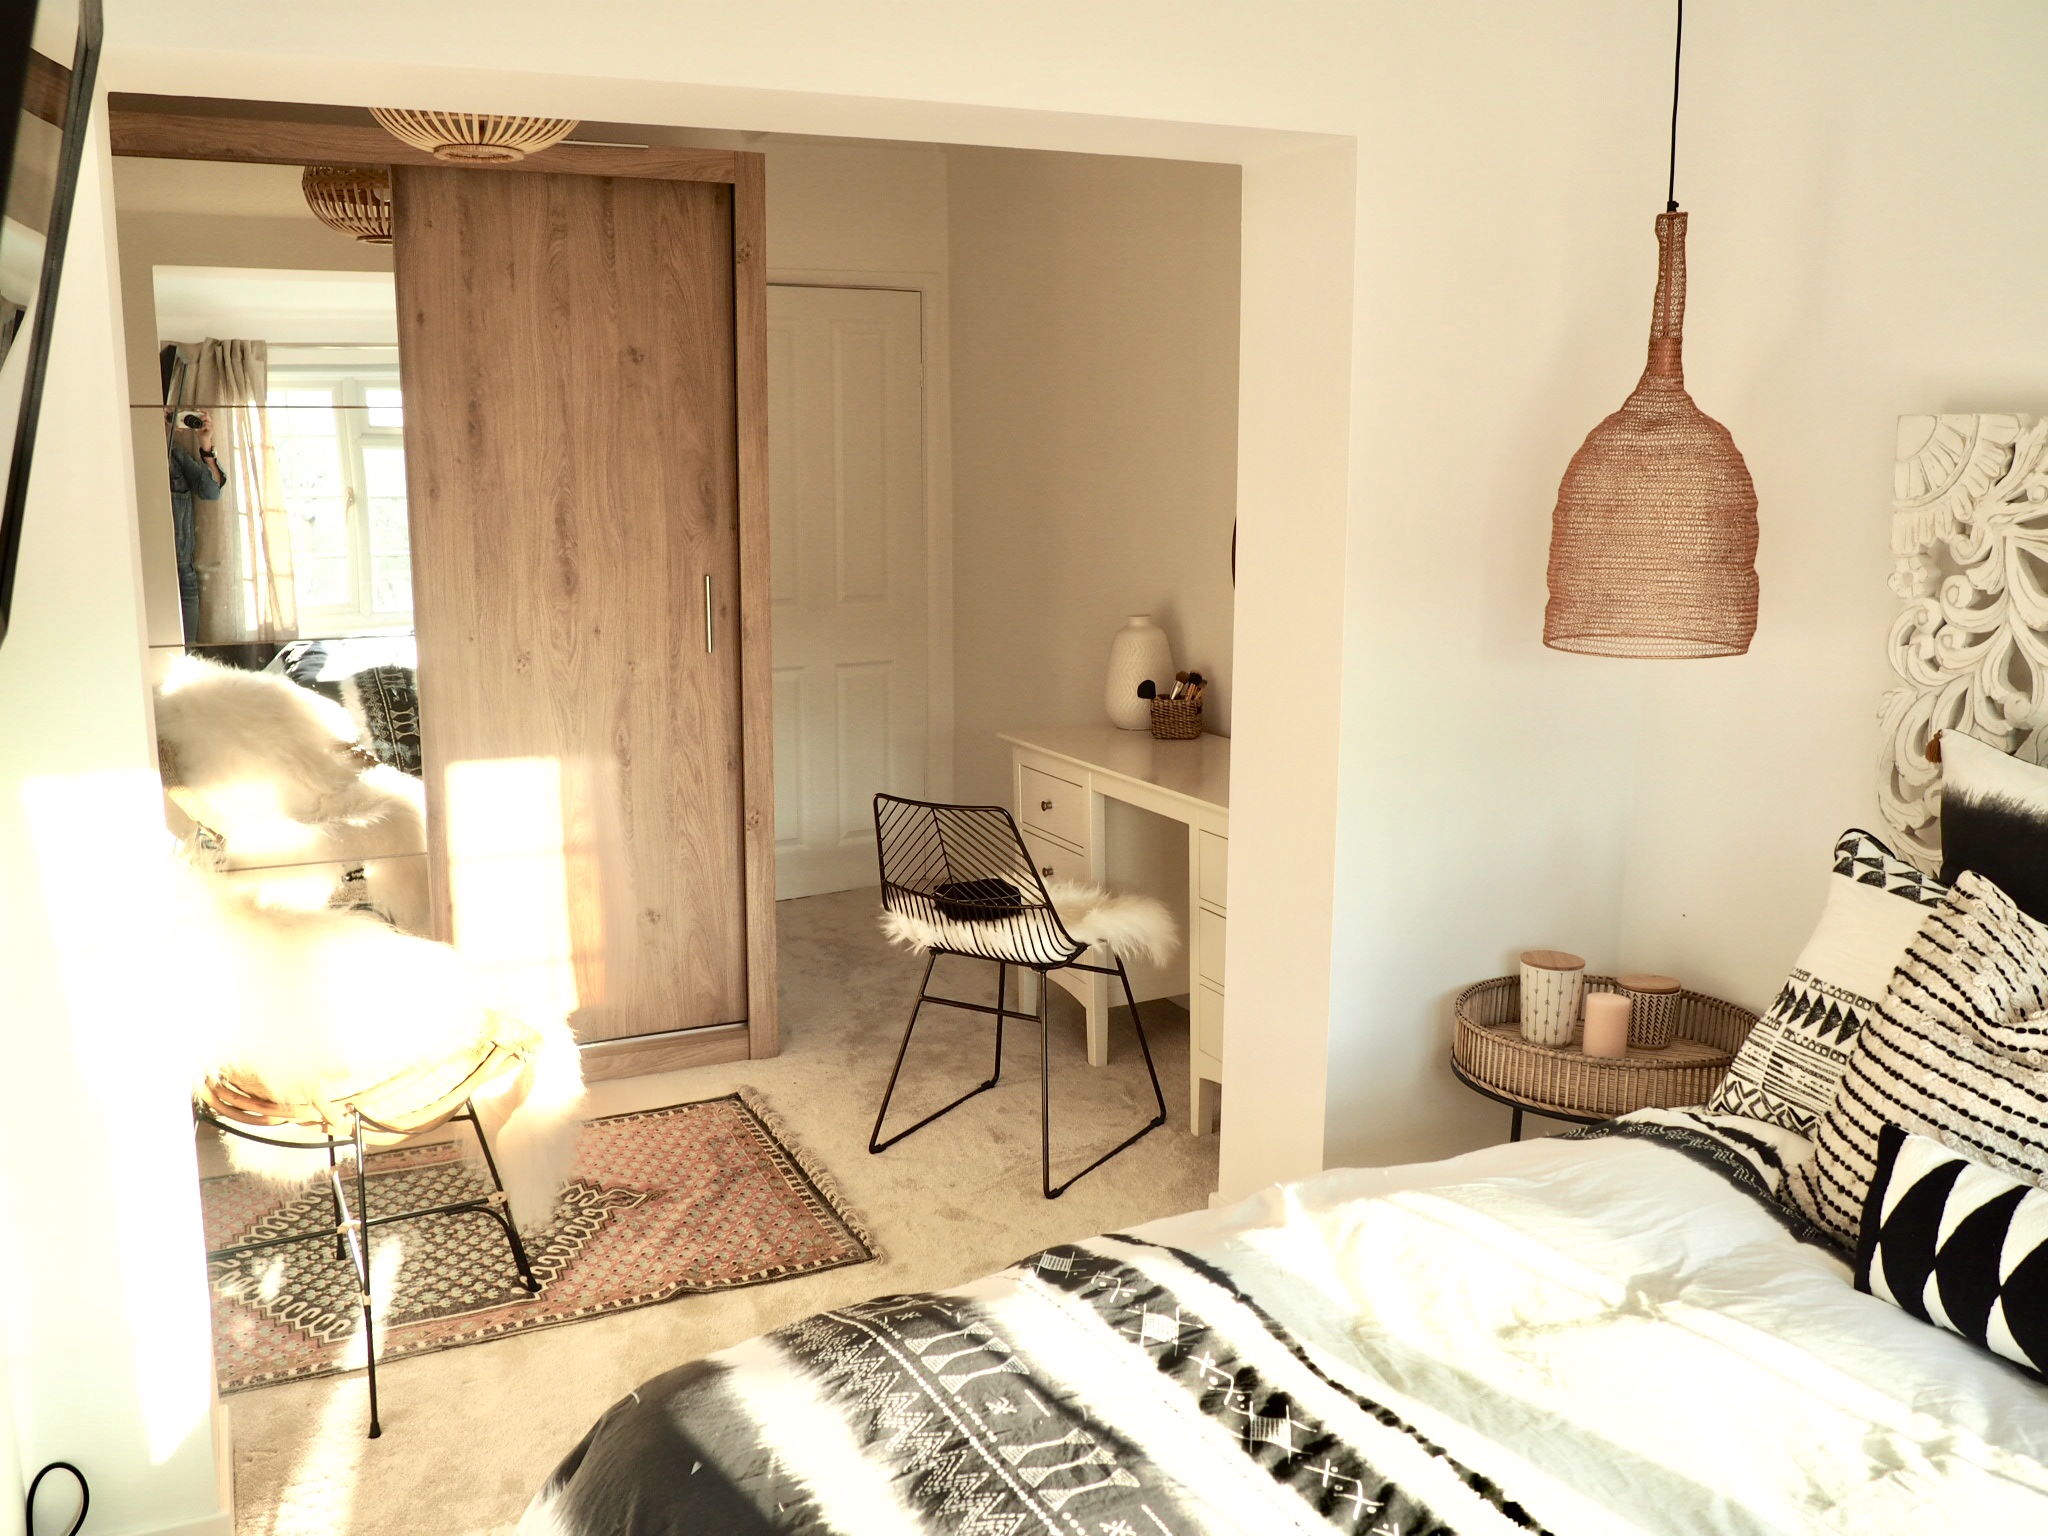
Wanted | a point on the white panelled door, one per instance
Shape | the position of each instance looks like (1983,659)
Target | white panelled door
(848,545)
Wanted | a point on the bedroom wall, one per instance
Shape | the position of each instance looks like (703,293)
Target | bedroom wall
(1095,431)
(1492,273)
(103,1308)
(1886,268)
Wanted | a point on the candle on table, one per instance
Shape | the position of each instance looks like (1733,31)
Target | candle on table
(1607,1015)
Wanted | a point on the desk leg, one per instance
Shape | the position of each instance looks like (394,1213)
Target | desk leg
(1095,995)
(1094,1002)
(1097,1004)
(1204,1105)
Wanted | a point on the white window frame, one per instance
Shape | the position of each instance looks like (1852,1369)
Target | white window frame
(353,434)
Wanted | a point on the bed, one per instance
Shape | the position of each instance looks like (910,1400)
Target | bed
(1619,1331)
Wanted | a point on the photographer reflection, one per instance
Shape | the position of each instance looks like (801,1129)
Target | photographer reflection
(195,471)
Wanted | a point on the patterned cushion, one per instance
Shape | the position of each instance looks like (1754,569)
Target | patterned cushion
(1958,1052)
(1994,819)
(1787,1069)
(1958,1245)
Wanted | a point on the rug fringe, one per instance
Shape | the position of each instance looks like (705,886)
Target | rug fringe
(820,1176)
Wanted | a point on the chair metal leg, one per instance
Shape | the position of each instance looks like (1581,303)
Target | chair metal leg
(498,1207)
(340,1240)
(358,1232)
(1045,1092)
(1144,1046)
(1045,1096)
(1002,1008)
(876,1141)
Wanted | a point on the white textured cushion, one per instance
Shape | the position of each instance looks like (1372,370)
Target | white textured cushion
(1958,1052)
(1788,1068)
(1128,927)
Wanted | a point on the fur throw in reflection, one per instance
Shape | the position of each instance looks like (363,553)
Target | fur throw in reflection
(317,1005)
(276,771)
(1129,927)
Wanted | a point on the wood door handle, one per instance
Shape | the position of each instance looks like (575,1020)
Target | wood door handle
(709,644)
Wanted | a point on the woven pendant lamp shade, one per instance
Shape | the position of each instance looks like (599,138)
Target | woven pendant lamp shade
(1653,543)
(353,199)
(475,137)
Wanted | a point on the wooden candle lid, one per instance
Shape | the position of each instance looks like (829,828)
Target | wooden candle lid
(1554,960)
(1647,983)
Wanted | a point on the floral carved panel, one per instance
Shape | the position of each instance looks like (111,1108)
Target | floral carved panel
(1970,645)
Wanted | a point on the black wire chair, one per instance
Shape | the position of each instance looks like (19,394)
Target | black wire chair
(964,881)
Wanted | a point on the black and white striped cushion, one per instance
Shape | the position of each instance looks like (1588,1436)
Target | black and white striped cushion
(1788,1069)
(1958,1052)
(1958,1245)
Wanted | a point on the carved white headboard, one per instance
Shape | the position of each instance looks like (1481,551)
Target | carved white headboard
(1970,545)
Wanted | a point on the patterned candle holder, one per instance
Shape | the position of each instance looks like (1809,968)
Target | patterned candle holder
(1553,985)
(1654,1018)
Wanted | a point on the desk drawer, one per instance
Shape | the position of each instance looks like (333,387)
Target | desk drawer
(1208,1008)
(1053,805)
(1209,931)
(1212,869)
(1053,861)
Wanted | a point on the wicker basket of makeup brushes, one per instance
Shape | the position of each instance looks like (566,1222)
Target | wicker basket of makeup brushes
(1176,719)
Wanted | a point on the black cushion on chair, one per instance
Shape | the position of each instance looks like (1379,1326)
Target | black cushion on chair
(977,901)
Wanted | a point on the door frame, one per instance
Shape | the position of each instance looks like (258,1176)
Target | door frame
(936,390)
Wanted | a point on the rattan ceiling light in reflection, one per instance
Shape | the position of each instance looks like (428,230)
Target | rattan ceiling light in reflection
(353,199)
(1653,543)
(475,137)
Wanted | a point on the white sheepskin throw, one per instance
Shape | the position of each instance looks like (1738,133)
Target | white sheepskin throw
(274,769)
(314,1004)
(1129,927)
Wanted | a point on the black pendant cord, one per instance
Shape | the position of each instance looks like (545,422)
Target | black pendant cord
(1677,58)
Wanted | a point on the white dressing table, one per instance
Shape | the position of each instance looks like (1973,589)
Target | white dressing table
(1062,775)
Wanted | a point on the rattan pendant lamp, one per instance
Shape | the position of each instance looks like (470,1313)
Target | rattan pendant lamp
(1653,543)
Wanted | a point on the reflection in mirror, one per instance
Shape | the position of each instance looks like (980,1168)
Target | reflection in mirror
(42,121)
(286,452)
(31,189)
(288,716)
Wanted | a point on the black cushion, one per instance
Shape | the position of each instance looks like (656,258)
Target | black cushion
(1987,1280)
(977,901)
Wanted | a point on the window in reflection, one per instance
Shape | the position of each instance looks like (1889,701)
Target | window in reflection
(341,465)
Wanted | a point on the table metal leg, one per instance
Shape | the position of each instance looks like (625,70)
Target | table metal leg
(1515,1131)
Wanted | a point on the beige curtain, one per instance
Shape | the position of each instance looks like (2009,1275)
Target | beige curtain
(244,546)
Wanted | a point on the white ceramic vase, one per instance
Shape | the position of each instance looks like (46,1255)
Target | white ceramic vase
(1138,651)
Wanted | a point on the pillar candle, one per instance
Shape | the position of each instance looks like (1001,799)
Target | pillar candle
(1607,1015)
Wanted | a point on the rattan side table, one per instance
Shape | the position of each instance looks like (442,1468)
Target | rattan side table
(1489,1056)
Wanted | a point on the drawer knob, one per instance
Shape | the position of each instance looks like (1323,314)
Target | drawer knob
(1045,805)
(1047,871)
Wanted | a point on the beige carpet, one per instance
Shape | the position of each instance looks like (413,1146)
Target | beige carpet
(470,1433)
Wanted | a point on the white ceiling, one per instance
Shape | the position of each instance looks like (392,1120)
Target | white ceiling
(278,306)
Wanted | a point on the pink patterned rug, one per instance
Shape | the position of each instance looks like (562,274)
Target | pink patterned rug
(665,1203)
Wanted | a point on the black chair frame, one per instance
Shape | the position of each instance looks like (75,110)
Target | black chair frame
(1004,859)
(352,1223)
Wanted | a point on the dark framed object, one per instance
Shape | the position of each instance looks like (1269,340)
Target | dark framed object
(37,96)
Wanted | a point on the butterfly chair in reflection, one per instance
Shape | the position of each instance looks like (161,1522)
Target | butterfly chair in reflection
(958,880)
(353,1120)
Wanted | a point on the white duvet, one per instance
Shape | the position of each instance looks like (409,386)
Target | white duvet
(1627,1343)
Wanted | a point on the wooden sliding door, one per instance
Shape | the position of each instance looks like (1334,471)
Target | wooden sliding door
(568,353)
